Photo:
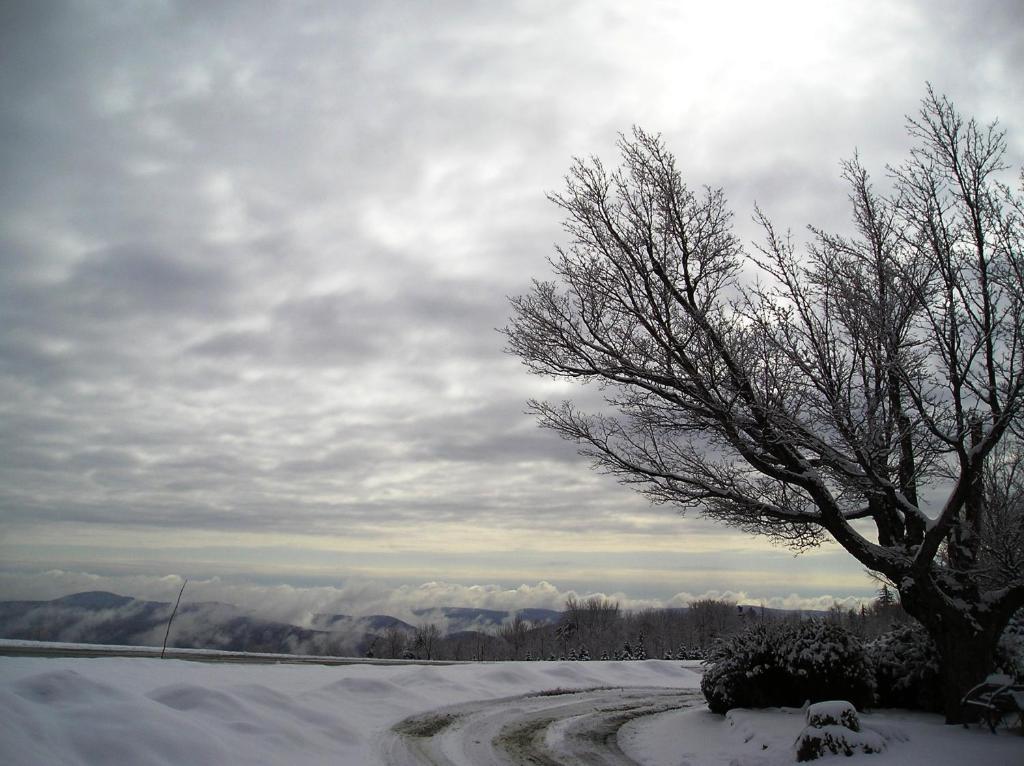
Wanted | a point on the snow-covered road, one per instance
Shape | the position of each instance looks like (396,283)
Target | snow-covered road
(173,712)
(578,727)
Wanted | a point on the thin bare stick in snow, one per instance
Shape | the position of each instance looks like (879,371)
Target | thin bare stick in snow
(173,612)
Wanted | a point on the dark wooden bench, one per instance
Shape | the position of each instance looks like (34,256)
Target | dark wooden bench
(995,700)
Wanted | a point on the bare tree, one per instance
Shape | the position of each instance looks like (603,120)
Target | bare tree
(395,640)
(514,633)
(711,619)
(1001,547)
(597,623)
(853,391)
(592,617)
(425,640)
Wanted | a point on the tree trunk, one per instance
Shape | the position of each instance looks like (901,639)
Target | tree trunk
(966,642)
(966,658)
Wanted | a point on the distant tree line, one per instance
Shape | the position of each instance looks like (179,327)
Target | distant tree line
(598,628)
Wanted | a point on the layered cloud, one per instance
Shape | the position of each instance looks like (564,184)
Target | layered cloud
(252,262)
(298,605)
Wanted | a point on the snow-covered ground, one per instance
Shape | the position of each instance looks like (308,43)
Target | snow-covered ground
(148,711)
(697,737)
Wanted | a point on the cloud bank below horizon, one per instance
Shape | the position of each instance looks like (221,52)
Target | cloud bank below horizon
(298,605)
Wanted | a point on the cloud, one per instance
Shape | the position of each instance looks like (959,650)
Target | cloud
(360,597)
(252,264)
(792,601)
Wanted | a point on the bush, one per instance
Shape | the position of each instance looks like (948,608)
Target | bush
(833,727)
(744,669)
(773,665)
(833,713)
(828,662)
(906,664)
(817,742)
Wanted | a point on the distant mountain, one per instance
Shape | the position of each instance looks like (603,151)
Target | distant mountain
(381,622)
(372,623)
(107,618)
(95,617)
(93,599)
(98,617)
(540,616)
(460,619)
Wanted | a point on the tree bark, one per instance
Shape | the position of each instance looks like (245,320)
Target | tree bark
(966,643)
(966,659)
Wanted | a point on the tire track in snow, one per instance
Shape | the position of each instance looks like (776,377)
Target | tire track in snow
(546,729)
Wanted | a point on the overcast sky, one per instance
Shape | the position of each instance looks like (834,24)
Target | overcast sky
(253,255)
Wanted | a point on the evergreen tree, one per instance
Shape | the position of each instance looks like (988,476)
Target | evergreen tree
(640,653)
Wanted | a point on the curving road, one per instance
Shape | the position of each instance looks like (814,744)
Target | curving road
(547,729)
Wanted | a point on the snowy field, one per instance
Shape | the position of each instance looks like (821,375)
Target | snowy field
(148,711)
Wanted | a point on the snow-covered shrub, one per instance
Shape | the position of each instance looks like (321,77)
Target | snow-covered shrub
(906,664)
(640,652)
(743,670)
(690,653)
(825,661)
(833,713)
(834,727)
(814,743)
(770,665)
